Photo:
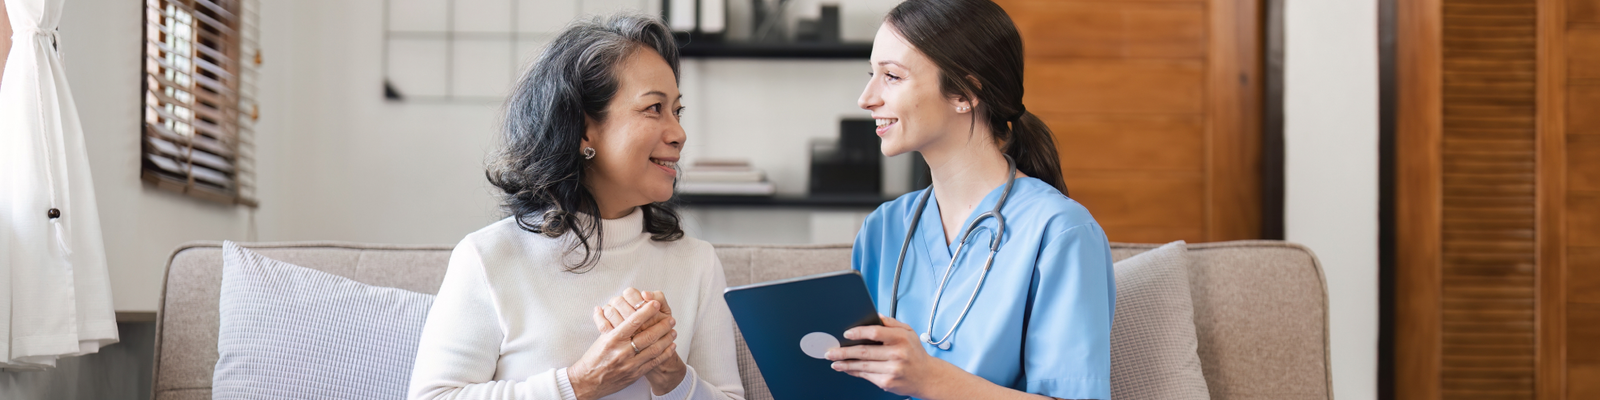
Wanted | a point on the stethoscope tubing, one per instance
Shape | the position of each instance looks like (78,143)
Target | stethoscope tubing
(994,247)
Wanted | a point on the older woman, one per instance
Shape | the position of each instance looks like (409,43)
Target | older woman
(591,142)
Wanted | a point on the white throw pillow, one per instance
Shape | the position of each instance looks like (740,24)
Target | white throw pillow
(1153,344)
(290,332)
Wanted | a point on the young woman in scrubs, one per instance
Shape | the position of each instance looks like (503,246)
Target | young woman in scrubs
(946,81)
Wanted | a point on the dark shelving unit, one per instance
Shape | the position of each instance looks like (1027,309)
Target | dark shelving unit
(785,201)
(849,50)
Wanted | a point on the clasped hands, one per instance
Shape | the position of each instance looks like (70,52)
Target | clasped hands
(636,339)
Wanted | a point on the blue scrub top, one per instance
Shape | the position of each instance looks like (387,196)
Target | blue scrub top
(1042,322)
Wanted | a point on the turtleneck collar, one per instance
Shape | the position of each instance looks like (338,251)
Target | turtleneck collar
(620,232)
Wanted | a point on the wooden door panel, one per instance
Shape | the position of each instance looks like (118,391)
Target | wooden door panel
(1583,220)
(1144,201)
(1137,234)
(1583,11)
(1583,163)
(1089,86)
(1583,275)
(1585,381)
(1584,46)
(1131,142)
(1583,326)
(1154,109)
(1058,29)
(1583,100)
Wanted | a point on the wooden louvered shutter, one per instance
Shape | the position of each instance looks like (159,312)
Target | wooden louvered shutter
(200,60)
(1497,199)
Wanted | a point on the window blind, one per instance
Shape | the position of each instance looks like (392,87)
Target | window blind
(200,74)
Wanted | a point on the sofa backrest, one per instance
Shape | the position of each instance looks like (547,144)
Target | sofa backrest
(1260,306)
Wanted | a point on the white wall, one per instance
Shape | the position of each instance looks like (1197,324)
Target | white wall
(100,42)
(338,162)
(1331,189)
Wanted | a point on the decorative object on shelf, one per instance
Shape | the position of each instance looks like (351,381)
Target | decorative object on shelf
(824,29)
(724,177)
(850,164)
(768,26)
(769,29)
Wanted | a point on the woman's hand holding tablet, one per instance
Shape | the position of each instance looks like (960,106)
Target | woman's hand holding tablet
(899,365)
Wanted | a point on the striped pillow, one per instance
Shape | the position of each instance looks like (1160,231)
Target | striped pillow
(1153,343)
(289,332)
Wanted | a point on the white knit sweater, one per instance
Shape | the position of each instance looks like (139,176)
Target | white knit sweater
(509,318)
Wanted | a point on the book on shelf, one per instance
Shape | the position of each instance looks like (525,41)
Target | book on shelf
(724,176)
(727,188)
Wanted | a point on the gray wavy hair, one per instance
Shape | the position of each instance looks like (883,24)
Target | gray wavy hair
(539,167)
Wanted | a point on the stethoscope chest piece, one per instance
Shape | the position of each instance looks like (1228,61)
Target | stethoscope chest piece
(926,338)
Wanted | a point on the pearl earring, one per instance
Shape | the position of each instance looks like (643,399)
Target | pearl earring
(962,109)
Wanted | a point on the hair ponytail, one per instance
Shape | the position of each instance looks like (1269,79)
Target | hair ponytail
(979,54)
(1033,147)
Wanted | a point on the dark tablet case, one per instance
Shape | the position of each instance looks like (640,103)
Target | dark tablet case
(773,316)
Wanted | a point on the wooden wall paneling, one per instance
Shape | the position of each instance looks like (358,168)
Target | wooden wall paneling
(1583,64)
(1133,91)
(1234,148)
(1583,274)
(1115,86)
(1120,142)
(1550,366)
(1582,11)
(1583,219)
(1057,29)
(1418,204)
(1157,208)
(1583,162)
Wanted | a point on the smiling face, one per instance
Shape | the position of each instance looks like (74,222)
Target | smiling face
(904,95)
(637,146)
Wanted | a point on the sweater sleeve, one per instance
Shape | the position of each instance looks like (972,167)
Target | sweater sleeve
(460,346)
(713,365)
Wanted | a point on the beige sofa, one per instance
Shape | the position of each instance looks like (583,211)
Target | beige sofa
(1260,307)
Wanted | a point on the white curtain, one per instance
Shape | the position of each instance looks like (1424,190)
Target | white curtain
(55,295)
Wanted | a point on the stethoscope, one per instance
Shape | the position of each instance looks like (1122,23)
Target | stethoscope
(994,246)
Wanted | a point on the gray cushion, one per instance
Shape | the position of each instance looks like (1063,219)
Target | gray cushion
(288,332)
(1152,338)
(1260,306)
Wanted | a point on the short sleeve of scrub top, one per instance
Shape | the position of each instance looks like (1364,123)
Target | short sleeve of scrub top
(1041,323)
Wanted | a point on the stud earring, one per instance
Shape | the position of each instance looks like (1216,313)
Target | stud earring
(962,109)
(588,153)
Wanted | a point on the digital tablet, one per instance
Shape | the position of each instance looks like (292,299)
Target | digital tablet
(790,324)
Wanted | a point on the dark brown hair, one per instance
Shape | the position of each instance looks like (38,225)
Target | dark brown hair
(539,167)
(975,40)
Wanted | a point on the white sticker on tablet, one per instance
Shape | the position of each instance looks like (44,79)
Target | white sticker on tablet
(817,344)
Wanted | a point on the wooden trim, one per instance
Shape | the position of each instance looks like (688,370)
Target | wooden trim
(136,316)
(1550,365)
(1418,198)
(1386,200)
(1272,157)
(1233,139)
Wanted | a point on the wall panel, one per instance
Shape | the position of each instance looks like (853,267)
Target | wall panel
(1155,106)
